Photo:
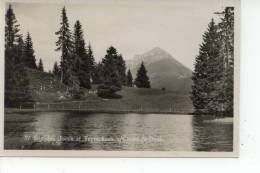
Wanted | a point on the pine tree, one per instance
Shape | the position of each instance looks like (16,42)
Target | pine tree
(65,45)
(207,73)
(97,75)
(121,67)
(226,27)
(56,70)
(110,76)
(81,61)
(91,60)
(110,71)
(142,80)
(11,33)
(91,56)
(40,66)
(129,81)
(29,58)
(11,28)
(19,51)
(16,80)
(212,90)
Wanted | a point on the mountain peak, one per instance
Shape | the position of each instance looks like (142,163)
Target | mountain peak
(163,70)
(158,51)
(152,55)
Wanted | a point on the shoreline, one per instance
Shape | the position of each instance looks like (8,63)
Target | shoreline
(15,110)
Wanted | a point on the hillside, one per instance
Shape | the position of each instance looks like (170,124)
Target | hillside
(47,89)
(44,87)
(164,71)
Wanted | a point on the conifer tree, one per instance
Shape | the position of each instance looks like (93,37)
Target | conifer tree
(207,73)
(40,66)
(56,70)
(82,62)
(97,75)
(65,45)
(212,90)
(226,27)
(121,67)
(29,58)
(11,28)
(129,81)
(91,58)
(11,35)
(93,67)
(110,72)
(16,80)
(19,51)
(142,80)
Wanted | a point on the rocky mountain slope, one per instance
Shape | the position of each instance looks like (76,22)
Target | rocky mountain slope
(164,71)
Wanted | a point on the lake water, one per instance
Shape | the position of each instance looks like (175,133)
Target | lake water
(101,131)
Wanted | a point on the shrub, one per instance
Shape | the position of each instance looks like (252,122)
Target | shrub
(106,91)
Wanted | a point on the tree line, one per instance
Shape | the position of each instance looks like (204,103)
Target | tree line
(19,56)
(77,68)
(212,90)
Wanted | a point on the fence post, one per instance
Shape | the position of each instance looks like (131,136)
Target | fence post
(79,106)
(33,107)
(48,106)
(20,107)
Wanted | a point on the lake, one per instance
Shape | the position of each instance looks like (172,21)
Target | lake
(102,131)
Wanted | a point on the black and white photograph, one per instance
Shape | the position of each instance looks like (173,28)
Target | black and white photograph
(121,78)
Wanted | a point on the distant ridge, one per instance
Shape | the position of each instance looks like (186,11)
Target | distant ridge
(164,70)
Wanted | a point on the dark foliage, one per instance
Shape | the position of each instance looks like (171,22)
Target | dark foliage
(18,92)
(91,59)
(82,67)
(17,89)
(108,91)
(129,79)
(204,75)
(40,66)
(97,75)
(142,80)
(11,28)
(56,70)
(112,65)
(28,57)
(65,45)
(212,90)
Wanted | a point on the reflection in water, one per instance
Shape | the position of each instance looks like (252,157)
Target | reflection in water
(100,131)
(212,134)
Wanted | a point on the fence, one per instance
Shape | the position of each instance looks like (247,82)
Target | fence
(105,106)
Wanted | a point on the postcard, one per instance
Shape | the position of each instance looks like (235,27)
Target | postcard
(128,78)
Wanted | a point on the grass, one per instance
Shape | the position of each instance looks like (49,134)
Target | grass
(47,89)
(133,100)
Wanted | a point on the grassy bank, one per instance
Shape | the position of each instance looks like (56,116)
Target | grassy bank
(133,100)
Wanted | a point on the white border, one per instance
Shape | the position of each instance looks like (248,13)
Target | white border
(84,153)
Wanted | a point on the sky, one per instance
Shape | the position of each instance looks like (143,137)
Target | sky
(131,26)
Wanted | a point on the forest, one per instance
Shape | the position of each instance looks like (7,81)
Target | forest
(77,68)
(213,75)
